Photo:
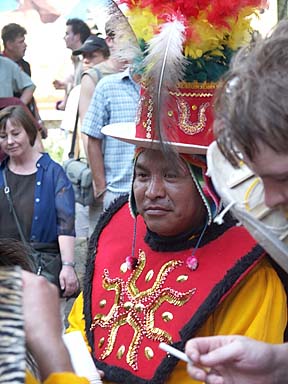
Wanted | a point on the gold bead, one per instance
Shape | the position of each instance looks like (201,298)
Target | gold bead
(170,113)
(124,268)
(149,275)
(182,278)
(120,352)
(193,107)
(101,342)
(102,303)
(139,307)
(128,305)
(149,353)
(167,316)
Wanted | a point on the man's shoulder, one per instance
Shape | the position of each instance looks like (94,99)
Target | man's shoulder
(7,62)
(114,78)
(106,68)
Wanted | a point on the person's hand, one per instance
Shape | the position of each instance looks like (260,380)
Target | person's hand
(43,130)
(98,192)
(43,325)
(59,84)
(230,360)
(68,281)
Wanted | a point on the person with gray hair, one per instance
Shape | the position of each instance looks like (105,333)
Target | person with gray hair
(251,123)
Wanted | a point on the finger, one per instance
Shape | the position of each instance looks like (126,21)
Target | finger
(213,378)
(222,355)
(196,372)
(200,346)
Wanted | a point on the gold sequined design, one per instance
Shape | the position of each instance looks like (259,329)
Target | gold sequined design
(185,124)
(148,123)
(149,300)
(188,127)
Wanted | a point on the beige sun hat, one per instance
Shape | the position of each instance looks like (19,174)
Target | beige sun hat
(242,193)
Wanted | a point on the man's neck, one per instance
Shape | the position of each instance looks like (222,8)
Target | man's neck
(10,55)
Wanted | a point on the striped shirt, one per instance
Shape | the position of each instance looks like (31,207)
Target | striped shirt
(115,100)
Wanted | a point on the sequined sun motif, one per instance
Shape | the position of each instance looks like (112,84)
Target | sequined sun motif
(137,308)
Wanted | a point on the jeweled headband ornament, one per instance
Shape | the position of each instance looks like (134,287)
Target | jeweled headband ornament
(187,46)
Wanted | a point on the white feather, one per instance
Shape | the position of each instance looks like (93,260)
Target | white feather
(165,62)
(164,67)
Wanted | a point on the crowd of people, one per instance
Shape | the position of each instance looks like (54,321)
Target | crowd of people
(159,267)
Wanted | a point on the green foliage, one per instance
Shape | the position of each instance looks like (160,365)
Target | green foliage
(54,145)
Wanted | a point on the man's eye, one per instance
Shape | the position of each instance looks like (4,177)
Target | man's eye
(170,175)
(141,175)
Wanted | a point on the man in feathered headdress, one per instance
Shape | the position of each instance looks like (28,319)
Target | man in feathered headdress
(159,269)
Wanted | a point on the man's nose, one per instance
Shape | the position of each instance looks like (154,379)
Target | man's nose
(275,196)
(86,60)
(155,188)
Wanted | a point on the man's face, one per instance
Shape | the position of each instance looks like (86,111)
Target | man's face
(166,198)
(92,58)
(17,48)
(272,168)
(72,41)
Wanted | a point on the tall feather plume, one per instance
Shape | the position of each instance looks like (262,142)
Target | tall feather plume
(164,69)
(126,43)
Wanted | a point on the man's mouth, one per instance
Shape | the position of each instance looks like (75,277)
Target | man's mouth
(156,210)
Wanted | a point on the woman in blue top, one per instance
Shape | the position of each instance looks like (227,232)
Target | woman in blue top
(42,195)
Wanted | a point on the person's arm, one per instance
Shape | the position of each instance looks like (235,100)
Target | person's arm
(65,214)
(68,279)
(237,359)
(96,162)
(86,93)
(96,117)
(27,94)
(22,83)
(42,322)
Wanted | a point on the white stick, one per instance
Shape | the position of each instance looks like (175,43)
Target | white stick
(175,352)
(81,359)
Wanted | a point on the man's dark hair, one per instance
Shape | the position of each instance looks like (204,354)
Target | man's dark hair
(11,31)
(79,27)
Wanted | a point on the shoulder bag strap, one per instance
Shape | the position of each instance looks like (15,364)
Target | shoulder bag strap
(11,206)
(72,149)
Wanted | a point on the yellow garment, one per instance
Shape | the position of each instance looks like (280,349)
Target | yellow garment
(57,378)
(255,308)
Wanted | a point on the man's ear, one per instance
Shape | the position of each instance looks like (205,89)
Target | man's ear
(109,41)
(9,44)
